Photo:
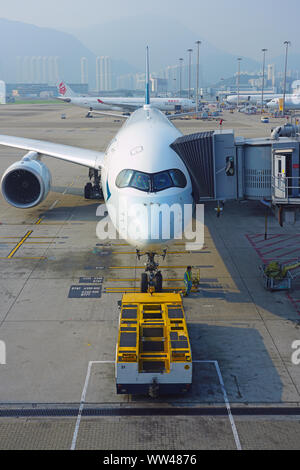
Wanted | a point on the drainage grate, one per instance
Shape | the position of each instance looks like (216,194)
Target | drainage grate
(150,411)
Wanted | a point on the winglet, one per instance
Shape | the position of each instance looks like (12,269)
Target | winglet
(147,95)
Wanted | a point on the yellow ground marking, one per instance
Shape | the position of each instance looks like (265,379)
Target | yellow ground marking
(11,254)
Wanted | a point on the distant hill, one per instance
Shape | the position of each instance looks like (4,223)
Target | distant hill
(22,39)
(127,38)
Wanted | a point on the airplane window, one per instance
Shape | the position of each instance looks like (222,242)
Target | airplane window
(140,181)
(161,181)
(178,178)
(123,178)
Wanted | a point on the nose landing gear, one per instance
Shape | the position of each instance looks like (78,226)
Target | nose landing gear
(151,279)
(93,190)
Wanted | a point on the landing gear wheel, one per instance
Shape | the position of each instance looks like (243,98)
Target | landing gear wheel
(158,280)
(144,283)
(88,190)
(93,189)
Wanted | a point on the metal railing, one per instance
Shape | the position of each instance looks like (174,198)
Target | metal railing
(286,188)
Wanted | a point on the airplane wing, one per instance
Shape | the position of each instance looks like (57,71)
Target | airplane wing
(179,115)
(80,156)
(104,113)
(124,106)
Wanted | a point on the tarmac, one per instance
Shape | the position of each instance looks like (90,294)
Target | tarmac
(57,388)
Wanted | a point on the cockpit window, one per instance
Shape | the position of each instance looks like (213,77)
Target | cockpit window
(140,181)
(178,178)
(123,178)
(162,181)
(152,182)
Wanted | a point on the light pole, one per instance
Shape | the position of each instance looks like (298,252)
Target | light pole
(190,66)
(238,81)
(180,76)
(287,44)
(263,79)
(197,85)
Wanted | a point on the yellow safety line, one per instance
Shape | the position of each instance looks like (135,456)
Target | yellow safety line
(11,254)
(39,221)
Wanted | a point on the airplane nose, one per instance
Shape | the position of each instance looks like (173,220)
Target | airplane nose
(153,226)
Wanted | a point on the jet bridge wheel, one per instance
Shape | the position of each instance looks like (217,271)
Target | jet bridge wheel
(144,283)
(93,190)
(88,190)
(158,281)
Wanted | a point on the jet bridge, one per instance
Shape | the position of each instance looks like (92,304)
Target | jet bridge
(223,167)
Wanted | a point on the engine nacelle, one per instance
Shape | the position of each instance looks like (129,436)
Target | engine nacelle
(26,183)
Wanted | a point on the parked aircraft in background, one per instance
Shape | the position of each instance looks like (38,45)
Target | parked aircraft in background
(292,102)
(251,99)
(125,104)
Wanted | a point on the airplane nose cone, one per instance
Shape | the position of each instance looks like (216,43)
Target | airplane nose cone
(152,226)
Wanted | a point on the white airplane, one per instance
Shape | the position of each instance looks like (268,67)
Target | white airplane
(121,103)
(138,167)
(251,99)
(292,102)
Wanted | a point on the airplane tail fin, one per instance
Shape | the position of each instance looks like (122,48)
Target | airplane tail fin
(147,94)
(64,90)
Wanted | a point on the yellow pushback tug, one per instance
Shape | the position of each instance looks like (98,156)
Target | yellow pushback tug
(153,354)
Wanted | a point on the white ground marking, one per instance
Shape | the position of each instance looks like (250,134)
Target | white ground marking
(216,364)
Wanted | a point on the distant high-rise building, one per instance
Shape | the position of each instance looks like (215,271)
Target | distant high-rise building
(159,85)
(26,70)
(139,81)
(56,68)
(103,74)
(44,70)
(84,69)
(271,74)
(125,82)
(19,69)
(51,73)
(38,76)
(37,69)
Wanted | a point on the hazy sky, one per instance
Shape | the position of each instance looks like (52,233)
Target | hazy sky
(242,27)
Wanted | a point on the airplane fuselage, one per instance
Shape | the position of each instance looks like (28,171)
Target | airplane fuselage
(251,99)
(120,104)
(292,102)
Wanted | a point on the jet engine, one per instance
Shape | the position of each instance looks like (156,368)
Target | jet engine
(26,183)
